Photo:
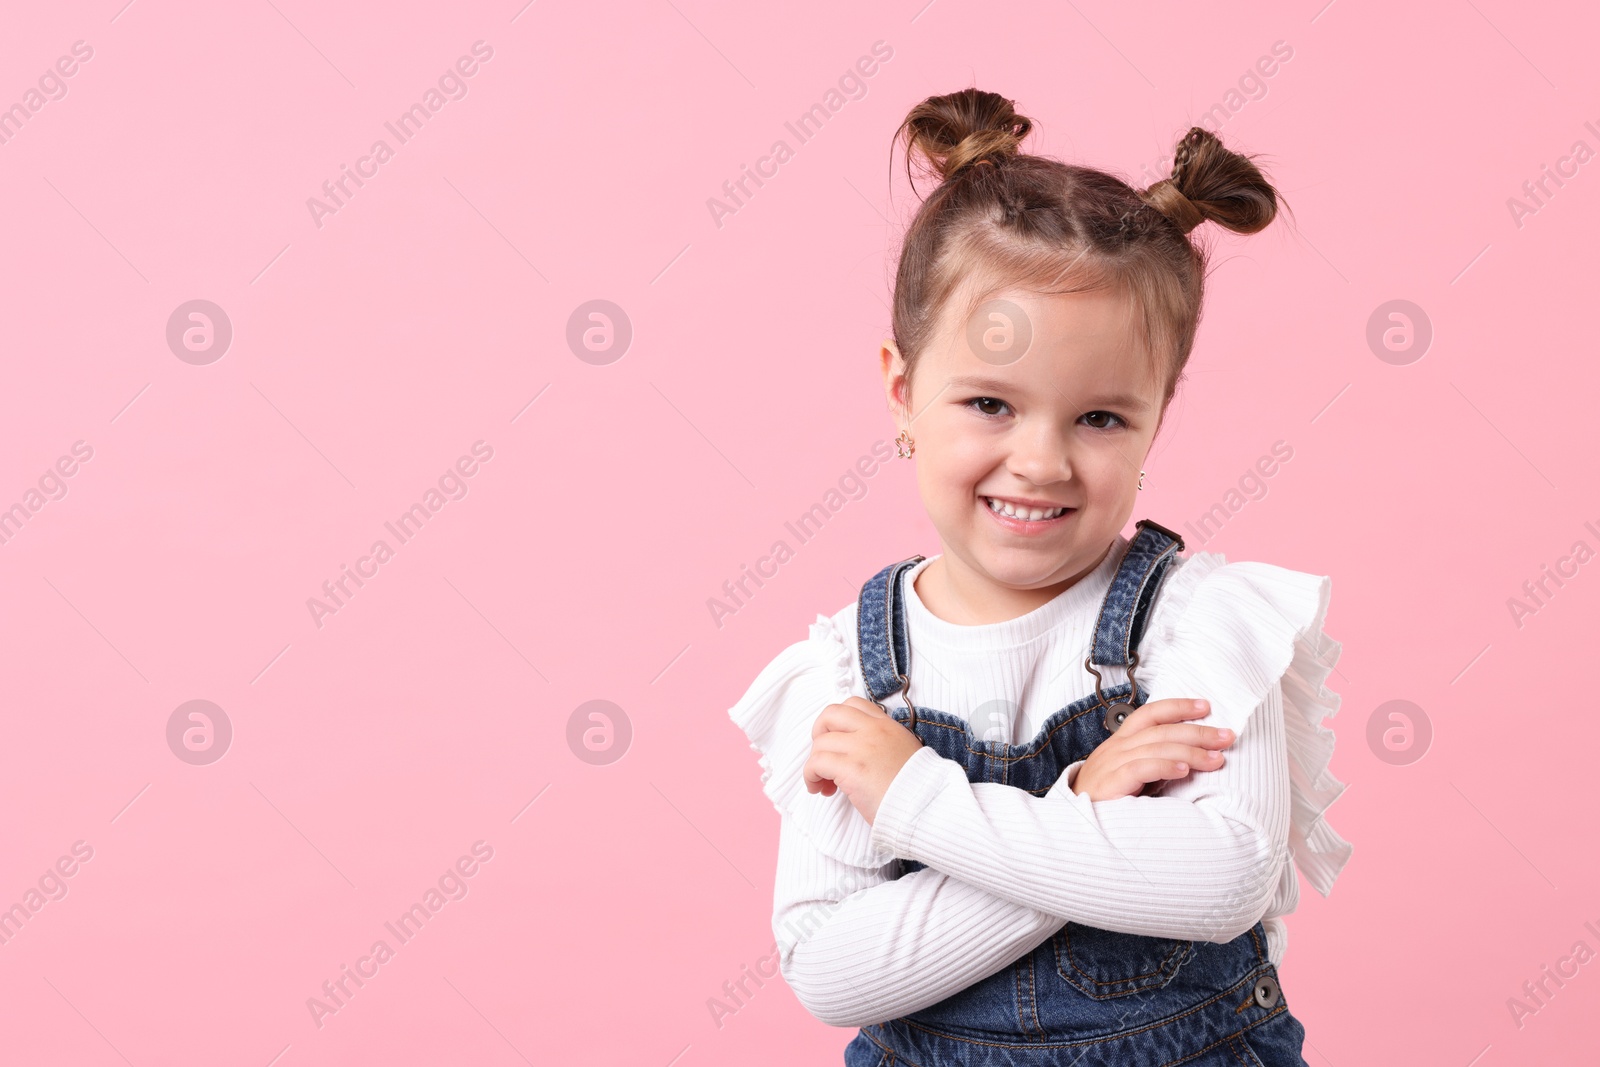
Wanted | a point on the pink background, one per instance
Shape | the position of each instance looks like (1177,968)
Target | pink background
(371,352)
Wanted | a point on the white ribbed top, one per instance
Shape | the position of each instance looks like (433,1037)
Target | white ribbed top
(1204,858)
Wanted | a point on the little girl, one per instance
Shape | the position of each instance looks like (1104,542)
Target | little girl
(1072,837)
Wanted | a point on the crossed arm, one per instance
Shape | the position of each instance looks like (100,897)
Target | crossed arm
(1006,869)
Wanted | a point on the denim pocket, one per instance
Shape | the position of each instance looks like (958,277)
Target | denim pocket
(1103,964)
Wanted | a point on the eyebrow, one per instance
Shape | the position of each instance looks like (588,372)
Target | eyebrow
(979,381)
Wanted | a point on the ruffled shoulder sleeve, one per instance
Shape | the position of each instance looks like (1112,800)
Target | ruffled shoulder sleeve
(777,714)
(1228,632)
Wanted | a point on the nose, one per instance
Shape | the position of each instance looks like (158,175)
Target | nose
(1040,453)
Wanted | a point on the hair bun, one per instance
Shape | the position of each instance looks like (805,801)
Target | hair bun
(963,129)
(1209,182)
(1166,198)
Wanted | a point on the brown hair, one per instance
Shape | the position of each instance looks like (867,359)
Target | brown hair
(1002,219)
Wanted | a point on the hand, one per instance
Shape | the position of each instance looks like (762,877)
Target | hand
(1151,745)
(858,747)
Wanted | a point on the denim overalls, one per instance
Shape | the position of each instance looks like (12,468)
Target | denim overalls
(1085,997)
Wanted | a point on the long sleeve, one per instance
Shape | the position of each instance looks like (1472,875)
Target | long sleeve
(858,949)
(1200,861)
(855,946)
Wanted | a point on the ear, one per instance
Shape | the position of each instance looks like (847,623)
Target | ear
(894,376)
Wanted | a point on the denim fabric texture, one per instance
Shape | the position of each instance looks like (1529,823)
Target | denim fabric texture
(1086,997)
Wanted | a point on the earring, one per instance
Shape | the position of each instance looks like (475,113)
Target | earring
(904,446)
(1141,479)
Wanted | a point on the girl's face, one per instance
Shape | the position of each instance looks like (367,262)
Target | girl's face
(1033,405)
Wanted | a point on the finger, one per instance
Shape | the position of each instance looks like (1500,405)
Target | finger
(1154,770)
(863,704)
(1168,710)
(816,771)
(825,720)
(1203,758)
(839,717)
(833,717)
(1192,734)
(831,748)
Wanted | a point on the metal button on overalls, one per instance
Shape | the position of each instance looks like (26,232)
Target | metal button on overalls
(1266,991)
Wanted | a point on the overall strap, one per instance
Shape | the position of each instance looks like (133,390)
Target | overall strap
(881,641)
(1126,608)
(884,649)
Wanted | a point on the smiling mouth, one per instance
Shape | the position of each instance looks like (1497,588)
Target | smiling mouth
(1022,513)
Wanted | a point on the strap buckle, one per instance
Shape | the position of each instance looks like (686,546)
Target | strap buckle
(1156,526)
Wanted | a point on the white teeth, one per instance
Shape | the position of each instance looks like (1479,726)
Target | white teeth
(1015,512)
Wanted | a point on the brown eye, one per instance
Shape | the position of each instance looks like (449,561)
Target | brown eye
(1106,415)
(981,404)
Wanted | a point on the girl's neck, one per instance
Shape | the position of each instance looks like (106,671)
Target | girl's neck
(959,595)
